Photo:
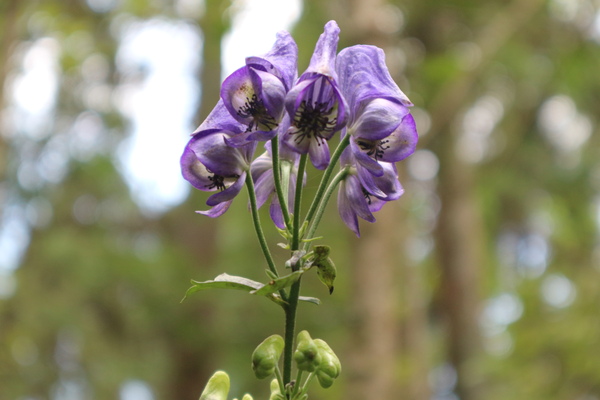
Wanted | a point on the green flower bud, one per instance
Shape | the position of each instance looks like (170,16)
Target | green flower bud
(266,356)
(275,391)
(217,387)
(247,397)
(307,355)
(330,366)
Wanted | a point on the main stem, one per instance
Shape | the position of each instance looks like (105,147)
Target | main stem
(292,300)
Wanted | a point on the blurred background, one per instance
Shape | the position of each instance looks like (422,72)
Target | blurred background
(481,282)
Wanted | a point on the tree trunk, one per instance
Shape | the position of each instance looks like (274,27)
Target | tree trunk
(389,356)
(9,17)
(459,248)
(194,367)
(373,358)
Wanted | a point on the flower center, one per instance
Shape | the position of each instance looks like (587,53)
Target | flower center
(218,182)
(313,120)
(255,108)
(373,148)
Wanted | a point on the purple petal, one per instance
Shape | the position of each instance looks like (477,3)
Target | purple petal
(212,151)
(294,142)
(229,193)
(276,213)
(389,183)
(364,159)
(285,151)
(297,95)
(323,58)
(271,91)
(319,153)
(363,75)
(262,136)
(352,203)
(236,91)
(369,182)
(217,210)
(378,119)
(220,119)
(402,142)
(254,98)
(386,187)
(376,204)
(347,156)
(356,196)
(261,165)
(345,210)
(195,172)
(240,140)
(281,60)
(264,187)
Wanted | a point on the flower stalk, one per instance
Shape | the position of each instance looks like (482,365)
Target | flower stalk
(281,182)
(350,93)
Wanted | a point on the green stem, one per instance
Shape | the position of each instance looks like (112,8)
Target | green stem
(290,326)
(292,300)
(281,194)
(295,245)
(280,380)
(309,378)
(340,176)
(259,232)
(298,380)
(326,175)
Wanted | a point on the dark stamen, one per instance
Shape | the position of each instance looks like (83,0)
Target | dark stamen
(373,149)
(367,196)
(256,109)
(218,182)
(313,120)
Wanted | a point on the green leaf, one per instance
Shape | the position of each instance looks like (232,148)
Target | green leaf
(224,281)
(276,285)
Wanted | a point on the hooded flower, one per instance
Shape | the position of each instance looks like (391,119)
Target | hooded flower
(381,126)
(210,164)
(315,104)
(254,94)
(361,194)
(264,183)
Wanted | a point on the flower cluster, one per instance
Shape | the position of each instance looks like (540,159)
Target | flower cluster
(265,101)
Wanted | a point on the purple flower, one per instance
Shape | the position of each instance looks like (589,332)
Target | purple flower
(315,104)
(381,126)
(210,164)
(361,193)
(254,94)
(264,184)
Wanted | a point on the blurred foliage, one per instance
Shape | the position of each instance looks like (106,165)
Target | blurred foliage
(98,291)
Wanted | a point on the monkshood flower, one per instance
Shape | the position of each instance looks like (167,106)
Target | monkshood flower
(360,198)
(254,94)
(210,164)
(380,124)
(315,104)
(264,183)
